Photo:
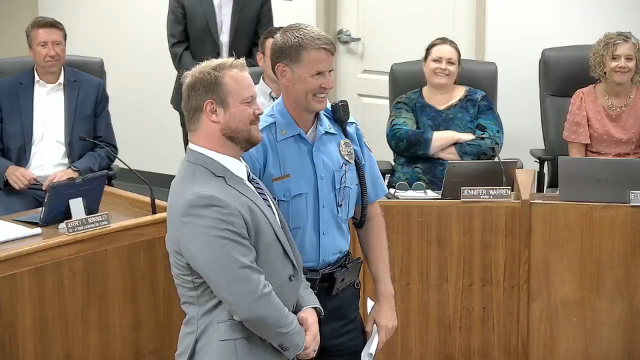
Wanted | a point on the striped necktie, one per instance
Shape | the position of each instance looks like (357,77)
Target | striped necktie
(259,189)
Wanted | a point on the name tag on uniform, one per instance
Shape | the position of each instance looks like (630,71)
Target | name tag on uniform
(485,193)
(634,198)
(280,178)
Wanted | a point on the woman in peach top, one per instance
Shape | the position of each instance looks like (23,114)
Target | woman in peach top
(604,118)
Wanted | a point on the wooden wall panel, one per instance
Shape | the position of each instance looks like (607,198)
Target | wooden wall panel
(584,292)
(457,275)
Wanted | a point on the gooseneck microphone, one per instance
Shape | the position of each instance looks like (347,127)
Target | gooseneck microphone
(151,194)
(482,128)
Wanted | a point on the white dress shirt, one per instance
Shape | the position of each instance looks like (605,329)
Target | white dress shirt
(48,148)
(223,18)
(313,132)
(266,96)
(237,166)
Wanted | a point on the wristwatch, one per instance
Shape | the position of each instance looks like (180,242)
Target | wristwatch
(74,169)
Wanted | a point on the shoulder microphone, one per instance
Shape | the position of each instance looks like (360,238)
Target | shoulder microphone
(151,194)
(341,114)
(483,129)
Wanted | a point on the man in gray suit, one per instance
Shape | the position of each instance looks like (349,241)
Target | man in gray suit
(235,265)
(199,30)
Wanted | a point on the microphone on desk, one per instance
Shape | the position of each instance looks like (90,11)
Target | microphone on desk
(482,128)
(151,194)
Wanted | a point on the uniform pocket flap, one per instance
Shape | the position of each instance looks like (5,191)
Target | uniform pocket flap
(286,190)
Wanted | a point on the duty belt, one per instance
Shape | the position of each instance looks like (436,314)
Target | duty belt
(315,277)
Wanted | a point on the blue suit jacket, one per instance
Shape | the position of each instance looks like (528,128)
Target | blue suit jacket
(86,113)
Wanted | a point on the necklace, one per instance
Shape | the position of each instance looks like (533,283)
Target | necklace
(617,108)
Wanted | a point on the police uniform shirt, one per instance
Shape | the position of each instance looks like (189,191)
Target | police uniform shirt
(316,187)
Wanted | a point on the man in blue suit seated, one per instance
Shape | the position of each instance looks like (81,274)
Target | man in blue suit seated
(43,111)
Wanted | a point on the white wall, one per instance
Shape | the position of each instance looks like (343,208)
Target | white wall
(14,18)
(287,12)
(131,37)
(516,33)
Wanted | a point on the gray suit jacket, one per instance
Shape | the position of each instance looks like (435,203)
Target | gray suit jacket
(192,32)
(238,273)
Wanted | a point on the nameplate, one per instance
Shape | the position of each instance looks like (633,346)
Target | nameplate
(634,198)
(87,223)
(485,193)
(280,178)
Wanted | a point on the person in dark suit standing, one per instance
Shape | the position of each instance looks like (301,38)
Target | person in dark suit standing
(199,30)
(43,111)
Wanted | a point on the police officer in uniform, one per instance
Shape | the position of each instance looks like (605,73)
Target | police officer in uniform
(308,164)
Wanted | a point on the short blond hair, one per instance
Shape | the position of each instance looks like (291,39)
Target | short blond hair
(293,40)
(604,47)
(203,83)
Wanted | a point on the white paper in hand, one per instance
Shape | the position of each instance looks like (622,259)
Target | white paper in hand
(369,351)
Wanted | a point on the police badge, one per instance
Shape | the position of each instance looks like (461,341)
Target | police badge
(346,150)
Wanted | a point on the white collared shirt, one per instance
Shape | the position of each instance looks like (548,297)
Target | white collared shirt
(266,96)
(313,132)
(237,166)
(48,147)
(223,18)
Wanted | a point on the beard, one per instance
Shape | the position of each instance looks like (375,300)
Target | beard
(245,138)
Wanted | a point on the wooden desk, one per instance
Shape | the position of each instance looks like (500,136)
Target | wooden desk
(585,287)
(106,294)
(528,279)
(460,276)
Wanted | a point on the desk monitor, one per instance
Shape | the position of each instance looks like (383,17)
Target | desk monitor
(475,173)
(597,180)
(56,203)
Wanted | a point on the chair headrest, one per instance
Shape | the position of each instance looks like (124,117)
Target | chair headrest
(408,75)
(564,70)
(256,73)
(90,65)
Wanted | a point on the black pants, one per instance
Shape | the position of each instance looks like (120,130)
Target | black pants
(342,335)
(185,135)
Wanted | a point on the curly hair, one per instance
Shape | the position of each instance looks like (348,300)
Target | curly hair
(603,49)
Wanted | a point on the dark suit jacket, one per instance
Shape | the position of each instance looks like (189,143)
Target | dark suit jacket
(192,32)
(86,113)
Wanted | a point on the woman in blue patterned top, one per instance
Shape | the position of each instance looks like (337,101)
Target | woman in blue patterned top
(440,122)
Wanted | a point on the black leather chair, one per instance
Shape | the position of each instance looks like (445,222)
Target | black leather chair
(256,73)
(562,71)
(408,75)
(90,65)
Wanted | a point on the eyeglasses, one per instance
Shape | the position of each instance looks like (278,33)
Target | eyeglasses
(417,186)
